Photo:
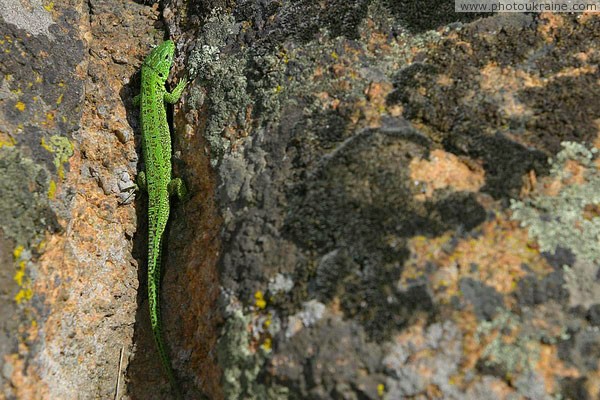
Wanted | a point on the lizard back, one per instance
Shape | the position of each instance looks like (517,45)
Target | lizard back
(156,149)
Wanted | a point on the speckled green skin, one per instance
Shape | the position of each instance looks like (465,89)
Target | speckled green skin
(156,177)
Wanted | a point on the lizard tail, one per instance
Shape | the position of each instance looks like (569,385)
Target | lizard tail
(154,258)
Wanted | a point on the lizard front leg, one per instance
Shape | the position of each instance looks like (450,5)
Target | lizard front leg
(177,187)
(172,97)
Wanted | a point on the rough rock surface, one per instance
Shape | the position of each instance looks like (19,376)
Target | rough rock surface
(389,200)
(72,241)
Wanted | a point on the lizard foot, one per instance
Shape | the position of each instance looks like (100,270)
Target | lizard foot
(177,187)
(141,181)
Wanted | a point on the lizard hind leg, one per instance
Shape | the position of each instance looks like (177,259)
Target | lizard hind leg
(141,181)
(177,187)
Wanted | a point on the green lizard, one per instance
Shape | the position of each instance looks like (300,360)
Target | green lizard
(156,178)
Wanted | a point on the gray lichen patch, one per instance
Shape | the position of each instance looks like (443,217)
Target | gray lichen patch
(241,364)
(249,86)
(25,218)
(486,300)
(581,280)
(10,313)
(513,344)
(309,363)
(437,349)
(561,220)
(36,19)
(24,210)
(228,100)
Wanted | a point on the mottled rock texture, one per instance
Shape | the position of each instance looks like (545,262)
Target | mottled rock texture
(389,200)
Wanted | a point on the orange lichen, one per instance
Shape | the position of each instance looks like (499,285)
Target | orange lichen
(593,383)
(573,173)
(550,365)
(498,254)
(444,170)
(550,24)
(472,348)
(376,94)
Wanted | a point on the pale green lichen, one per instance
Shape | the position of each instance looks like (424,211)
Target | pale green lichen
(516,344)
(518,355)
(243,88)
(227,94)
(241,364)
(62,149)
(560,220)
(280,284)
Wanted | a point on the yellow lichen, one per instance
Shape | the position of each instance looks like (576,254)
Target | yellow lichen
(267,322)
(284,57)
(23,295)
(380,389)
(20,274)
(20,106)
(259,300)
(6,140)
(17,251)
(41,246)
(62,150)
(52,189)
(267,344)
(23,281)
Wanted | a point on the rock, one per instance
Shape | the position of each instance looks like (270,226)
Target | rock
(385,202)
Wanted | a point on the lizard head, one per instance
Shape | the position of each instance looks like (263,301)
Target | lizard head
(161,58)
